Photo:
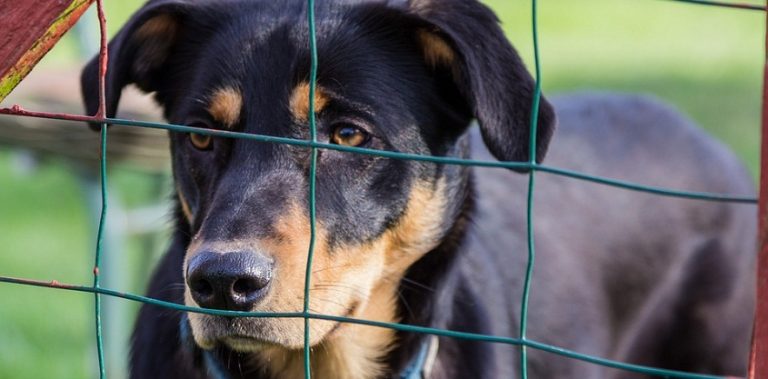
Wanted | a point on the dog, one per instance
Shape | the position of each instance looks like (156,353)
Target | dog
(623,275)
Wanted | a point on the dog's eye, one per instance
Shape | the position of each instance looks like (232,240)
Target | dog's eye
(201,141)
(349,135)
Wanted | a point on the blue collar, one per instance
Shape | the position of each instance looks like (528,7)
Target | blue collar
(210,362)
(419,367)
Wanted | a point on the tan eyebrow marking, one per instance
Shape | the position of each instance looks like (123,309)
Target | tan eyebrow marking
(225,106)
(299,101)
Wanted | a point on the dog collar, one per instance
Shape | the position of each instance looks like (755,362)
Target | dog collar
(420,366)
(210,362)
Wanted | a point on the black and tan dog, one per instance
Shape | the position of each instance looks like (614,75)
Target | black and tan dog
(621,275)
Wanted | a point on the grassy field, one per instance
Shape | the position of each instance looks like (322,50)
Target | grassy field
(707,61)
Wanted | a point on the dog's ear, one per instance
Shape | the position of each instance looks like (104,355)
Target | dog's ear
(137,54)
(464,37)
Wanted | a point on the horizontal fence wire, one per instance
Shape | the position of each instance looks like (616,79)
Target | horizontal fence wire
(395,326)
(724,4)
(523,342)
(662,191)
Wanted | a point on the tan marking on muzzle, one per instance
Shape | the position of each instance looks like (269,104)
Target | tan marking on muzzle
(361,279)
(225,106)
(418,231)
(374,270)
(299,101)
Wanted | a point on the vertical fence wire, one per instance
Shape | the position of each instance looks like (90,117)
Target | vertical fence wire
(312,182)
(101,113)
(530,233)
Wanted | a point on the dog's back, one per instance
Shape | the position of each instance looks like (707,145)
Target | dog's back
(620,274)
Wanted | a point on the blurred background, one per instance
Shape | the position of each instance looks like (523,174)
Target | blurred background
(705,60)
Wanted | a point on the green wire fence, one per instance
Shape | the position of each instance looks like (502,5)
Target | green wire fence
(521,340)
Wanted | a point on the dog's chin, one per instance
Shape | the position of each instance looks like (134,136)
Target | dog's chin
(245,344)
(249,335)
(238,343)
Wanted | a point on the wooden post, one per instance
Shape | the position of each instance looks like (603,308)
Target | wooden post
(758,360)
(29,30)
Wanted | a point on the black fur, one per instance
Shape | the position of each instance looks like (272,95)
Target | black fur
(371,60)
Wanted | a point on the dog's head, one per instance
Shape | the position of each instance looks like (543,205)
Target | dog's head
(398,76)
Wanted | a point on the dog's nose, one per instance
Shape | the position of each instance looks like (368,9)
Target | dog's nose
(232,281)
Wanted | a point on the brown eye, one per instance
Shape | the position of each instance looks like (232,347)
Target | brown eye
(201,141)
(349,135)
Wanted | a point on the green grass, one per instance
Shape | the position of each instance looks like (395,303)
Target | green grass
(707,61)
(44,235)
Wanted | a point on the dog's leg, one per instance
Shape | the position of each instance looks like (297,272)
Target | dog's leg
(689,323)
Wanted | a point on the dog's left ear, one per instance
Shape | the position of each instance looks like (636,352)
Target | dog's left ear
(464,36)
(140,51)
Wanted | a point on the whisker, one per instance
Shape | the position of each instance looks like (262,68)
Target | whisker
(405,304)
(331,268)
(417,284)
(320,299)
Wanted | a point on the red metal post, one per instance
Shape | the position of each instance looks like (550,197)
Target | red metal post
(758,360)
(29,29)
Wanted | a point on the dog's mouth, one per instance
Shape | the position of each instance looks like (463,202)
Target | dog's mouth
(243,343)
(258,334)
(240,334)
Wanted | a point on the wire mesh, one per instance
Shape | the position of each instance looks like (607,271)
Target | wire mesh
(312,179)
(529,199)
(313,145)
(103,60)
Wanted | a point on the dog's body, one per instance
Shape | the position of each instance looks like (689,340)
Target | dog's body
(619,274)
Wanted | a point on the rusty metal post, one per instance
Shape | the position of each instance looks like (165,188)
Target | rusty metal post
(758,360)
(29,29)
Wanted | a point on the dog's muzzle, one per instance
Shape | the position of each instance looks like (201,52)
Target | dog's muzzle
(231,281)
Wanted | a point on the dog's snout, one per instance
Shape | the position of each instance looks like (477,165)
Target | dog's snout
(232,281)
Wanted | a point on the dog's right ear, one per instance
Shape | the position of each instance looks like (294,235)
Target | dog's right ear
(137,54)
(464,37)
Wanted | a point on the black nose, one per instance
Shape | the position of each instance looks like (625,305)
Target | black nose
(232,281)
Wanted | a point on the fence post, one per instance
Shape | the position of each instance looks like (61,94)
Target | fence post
(29,30)
(758,360)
